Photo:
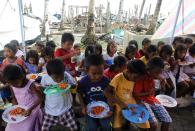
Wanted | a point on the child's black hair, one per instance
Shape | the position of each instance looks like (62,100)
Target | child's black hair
(51,44)
(55,66)
(109,44)
(133,42)
(76,46)
(160,43)
(67,37)
(12,47)
(136,66)
(89,50)
(178,40)
(192,50)
(151,49)
(180,47)
(146,41)
(94,60)
(47,51)
(119,61)
(167,49)
(15,42)
(129,49)
(155,62)
(188,41)
(40,44)
(13,72)
(98,48)
(32,54)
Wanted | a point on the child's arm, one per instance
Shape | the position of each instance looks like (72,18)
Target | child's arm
(109,93)
(83,106)
(71,54)
(14,100)
(37,102)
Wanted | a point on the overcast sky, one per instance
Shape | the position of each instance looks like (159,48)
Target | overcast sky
(55,5)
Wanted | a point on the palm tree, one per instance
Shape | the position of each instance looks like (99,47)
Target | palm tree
(46,10)
(89,37)
(152,26)
(62,16)
(141,10)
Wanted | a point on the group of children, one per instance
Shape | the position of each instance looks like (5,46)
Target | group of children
(117,79)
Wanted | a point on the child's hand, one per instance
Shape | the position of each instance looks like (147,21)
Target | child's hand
(109,114)
(27,112)
(84,111)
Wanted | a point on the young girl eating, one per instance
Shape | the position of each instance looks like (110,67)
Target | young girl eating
(32,59)
(111,53)
(183,81)
(10,58)
(24,93)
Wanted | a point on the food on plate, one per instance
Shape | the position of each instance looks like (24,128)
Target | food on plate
(133,110)
(62,85)
(33,76)
(17,111)
(97,110)
(142,114)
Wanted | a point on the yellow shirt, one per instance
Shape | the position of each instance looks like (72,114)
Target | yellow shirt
(123,88)
(143,58)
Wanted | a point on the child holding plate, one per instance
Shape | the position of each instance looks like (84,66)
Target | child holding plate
(58,105)
(24,93)
(120,92)
(144,93)
(90,89)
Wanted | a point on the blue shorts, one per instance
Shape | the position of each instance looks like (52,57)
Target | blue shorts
(157,111)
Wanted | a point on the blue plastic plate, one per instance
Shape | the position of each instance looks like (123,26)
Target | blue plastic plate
(136,116)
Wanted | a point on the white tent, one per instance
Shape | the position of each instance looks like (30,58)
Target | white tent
(185,23)
(10,24)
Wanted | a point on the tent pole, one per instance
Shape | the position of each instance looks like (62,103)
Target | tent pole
(20,6)
(176,19)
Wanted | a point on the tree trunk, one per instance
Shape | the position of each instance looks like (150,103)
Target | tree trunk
(63,16)
(108,23)
(46,11)
(89,37)
(120,12)
(141,10)
(152,26)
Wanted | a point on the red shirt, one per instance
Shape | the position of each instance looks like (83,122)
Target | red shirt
(137,55)
(110,74)
(70,67)
(146,84)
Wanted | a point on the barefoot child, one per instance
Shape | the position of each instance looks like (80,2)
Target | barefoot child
(25,93)
(58,106)
(144,93)
(120,92)
(90,88)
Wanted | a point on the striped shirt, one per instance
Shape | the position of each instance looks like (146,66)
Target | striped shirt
(57,104)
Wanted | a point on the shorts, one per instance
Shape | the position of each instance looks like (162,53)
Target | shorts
(157,110)
(118,119)
(67,120)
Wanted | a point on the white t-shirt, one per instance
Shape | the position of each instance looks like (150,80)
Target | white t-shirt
(108,59)
(19,53)
(188,69)
(57,104)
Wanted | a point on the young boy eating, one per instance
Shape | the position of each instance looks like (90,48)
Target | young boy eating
(120,91)
(58,106)
(144,93)
(91,88)
(65,53)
